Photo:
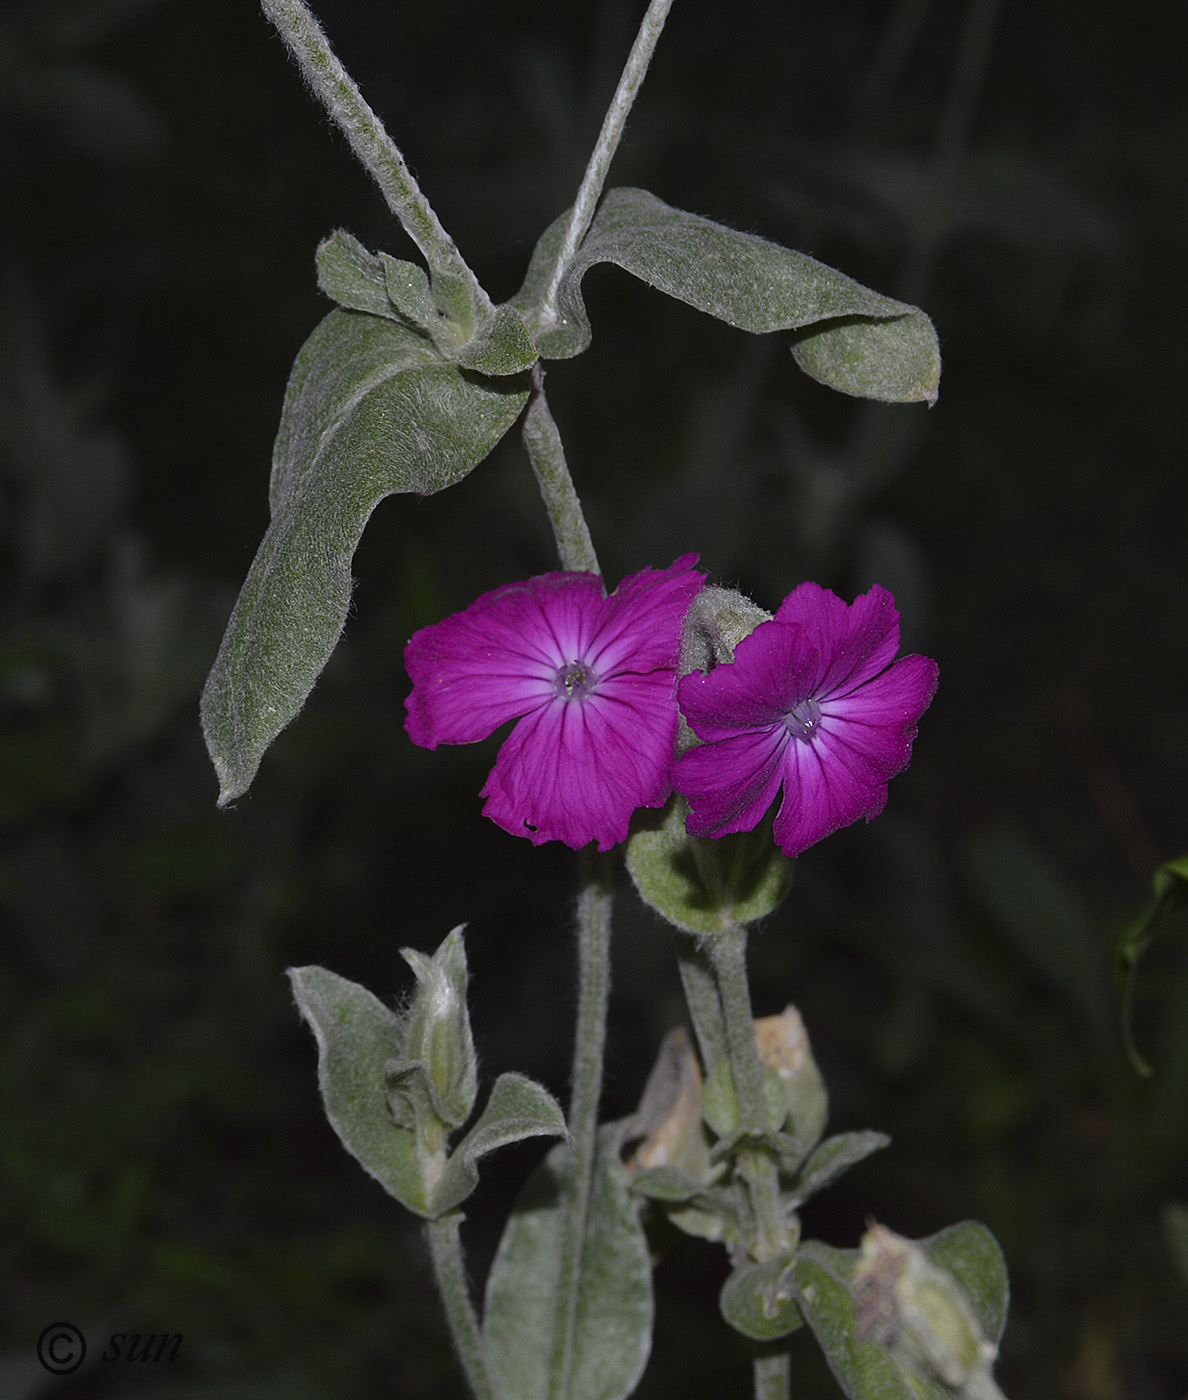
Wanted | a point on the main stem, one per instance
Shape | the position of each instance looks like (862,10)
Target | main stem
(590,190)
(336,90)
(728,955)
(593,937)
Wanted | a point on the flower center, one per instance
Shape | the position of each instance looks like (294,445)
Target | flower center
(803,720)
(574,681)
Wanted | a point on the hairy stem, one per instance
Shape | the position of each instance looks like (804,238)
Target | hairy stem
(445,1248)
(728,952)
(773,1376)
(701,997)
(547,456)
(593,931)
(590,190)
(336,90)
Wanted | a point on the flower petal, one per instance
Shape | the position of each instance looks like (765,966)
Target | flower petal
(822,793)
(772,669)
(730,784)
(854,641)
(638,628)
(575,771)
(878,720)
(497,659)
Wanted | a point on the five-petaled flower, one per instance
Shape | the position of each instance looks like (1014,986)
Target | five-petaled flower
(813,700)
(591,679)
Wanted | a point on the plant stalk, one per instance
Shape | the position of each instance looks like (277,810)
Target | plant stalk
(547,455)
(445,1249)
(773,1376)
(593,936)
(728,952)
(336,90)
(590,190)
(702,999)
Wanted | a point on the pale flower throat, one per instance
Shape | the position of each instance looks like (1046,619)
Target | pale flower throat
(574,681)
(803,719)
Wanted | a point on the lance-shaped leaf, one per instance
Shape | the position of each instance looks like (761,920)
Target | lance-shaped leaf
(845,335)
(357,1035)
(609,1336)
(371,409)
(517,1109)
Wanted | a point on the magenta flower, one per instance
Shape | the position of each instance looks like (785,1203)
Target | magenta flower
(592,680)
(815,701)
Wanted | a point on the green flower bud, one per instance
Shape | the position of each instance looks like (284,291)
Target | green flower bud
(717,621)
(437,1037)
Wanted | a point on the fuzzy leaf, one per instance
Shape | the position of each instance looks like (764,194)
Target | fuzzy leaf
(848,337)
(864,1369)
(834,1156)
(517,1109)
(355,278)
(612,1327)
(357,1035)
(972,1255)
(371,409)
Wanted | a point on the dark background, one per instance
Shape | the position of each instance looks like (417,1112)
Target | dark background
(1018,169)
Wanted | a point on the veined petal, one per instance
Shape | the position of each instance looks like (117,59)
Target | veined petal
(497,659)
(575,771)
(822,793)
(772,669)
(731,783)
(854,641)
(638,627)
(878,720)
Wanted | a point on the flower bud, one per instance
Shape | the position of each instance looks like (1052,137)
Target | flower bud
(717,620)
(436,1030)
(783,1046)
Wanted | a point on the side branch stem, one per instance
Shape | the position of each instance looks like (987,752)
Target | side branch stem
(701,997)
(590,190)
(445,1248)
(593,933)
(336,90)
(547,455)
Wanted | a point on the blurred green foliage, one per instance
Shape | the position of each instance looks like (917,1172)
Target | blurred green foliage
(1017,170)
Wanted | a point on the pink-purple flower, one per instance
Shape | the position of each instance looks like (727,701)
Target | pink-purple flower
(591,678)
(814,702)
